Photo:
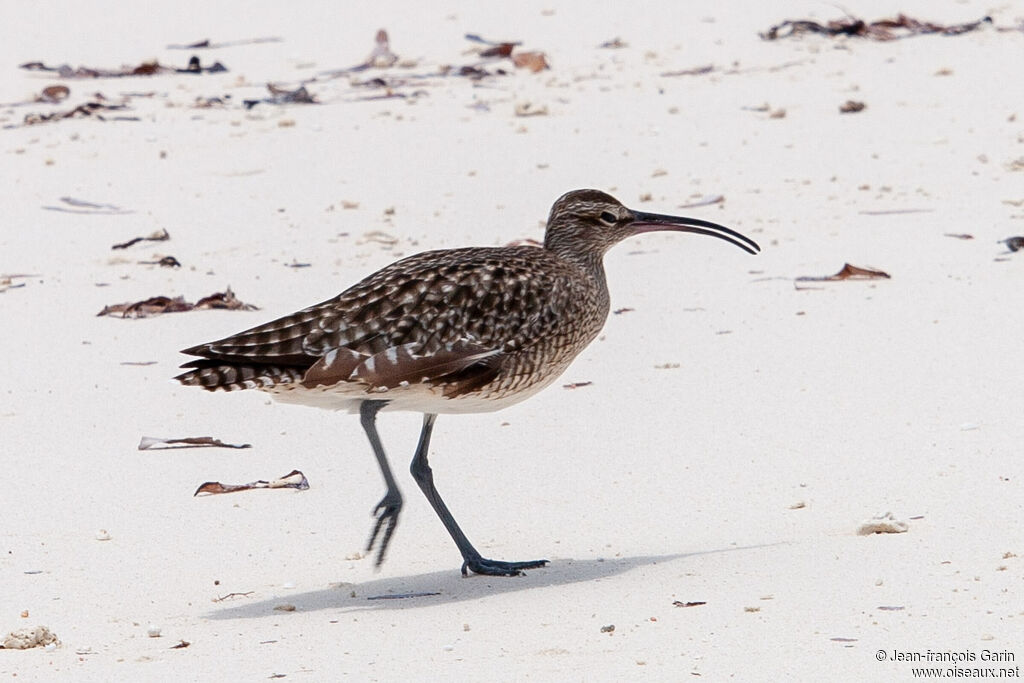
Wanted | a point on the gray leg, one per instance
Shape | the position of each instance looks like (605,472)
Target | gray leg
(390,505)
(472,560)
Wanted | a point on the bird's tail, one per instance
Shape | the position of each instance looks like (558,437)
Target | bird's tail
(214,375)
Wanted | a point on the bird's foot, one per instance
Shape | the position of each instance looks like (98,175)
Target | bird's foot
(386,512)
(481,565)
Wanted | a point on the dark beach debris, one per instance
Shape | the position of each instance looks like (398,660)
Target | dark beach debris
(851,107)
(151,68)
(533,60)
(82,206)
(160,235)
(620,311)
(695,71)
(576,385)
(158,444)
(207,44)
(476,38)
(163,262)
(163,304)
(883,29)
(7,281)
(692,603)
(402,596)
(293,480)
(1015,243)
(610,628)
(94,109)
(847,272)
(182,644)
(280,95)
(53,94)
(233,595)
(958,235)
(615,43)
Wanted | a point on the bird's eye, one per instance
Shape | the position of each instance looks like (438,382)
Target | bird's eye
(608,217)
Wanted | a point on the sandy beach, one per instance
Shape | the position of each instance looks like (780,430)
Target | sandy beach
(699,475)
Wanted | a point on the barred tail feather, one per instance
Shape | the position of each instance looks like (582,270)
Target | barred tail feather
(219,376)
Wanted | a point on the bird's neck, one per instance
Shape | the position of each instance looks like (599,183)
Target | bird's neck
(591,266)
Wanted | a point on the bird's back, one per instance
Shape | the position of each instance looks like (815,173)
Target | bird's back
(485,323)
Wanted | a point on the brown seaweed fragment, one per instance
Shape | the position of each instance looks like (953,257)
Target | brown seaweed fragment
(159,236)
(883,29)
(158,444)
(847,272)
(280,95)
(293,480)
(158,305)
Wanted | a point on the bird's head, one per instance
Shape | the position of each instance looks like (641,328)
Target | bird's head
(586,223)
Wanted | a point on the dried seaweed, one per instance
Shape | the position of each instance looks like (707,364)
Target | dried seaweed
(157,444)
(1015,243)
(7,281)
(92,109)
(293,480)
(208,45)
(163,262)
(158,305)
(81,206)
(144,69)
(884,29)
(158,236)
(283,96)
(692,603)
(851,107)
(847,272)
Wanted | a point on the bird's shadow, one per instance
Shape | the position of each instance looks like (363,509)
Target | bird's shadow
(447,587)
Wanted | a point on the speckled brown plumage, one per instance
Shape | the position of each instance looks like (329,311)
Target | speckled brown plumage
(449,331)
(512,301)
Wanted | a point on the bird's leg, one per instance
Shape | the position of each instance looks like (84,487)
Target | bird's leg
(472,560)
(390,505)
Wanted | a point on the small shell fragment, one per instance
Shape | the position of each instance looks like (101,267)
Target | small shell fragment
(153,631)
(102,535)
(882,524)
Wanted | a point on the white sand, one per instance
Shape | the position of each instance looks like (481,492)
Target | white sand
(738,478)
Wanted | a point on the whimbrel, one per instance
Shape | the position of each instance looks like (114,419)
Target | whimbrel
(449,331)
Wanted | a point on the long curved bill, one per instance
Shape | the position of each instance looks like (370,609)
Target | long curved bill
(655,222)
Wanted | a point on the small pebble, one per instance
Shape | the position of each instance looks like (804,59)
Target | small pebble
(153,631)
(102,535)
